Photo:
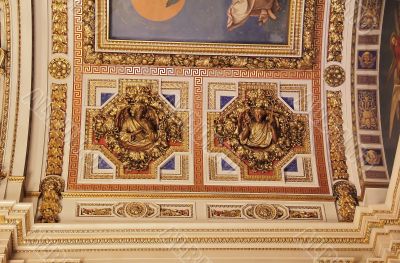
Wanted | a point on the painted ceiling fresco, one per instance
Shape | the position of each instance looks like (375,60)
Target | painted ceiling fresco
(256,27)
(389,80)
(257,22)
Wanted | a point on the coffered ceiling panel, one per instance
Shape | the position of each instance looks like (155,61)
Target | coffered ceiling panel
(245,123)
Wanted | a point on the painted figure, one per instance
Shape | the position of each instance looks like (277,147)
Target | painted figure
(367,60)
(395,72)
(241,10)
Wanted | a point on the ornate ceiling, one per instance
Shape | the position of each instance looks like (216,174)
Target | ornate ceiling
(258,126)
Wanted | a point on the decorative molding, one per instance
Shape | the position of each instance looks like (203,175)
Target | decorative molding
(5,108)
(344,192)
(18,179)
(258,100)
(265,211)
(334,260)
(345,237)
(135,210)
(137,153)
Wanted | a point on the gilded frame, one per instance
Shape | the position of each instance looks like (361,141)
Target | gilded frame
(292,49)
(310,41)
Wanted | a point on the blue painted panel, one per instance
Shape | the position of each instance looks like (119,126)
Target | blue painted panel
(292,167)
(225,100)
(169,165)
(289,101)
(102,164)
(104,97)
(226,166)
(170,98)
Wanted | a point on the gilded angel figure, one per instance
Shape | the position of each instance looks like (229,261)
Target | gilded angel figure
(256,128)
(138,125)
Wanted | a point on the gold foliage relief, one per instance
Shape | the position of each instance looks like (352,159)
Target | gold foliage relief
(336,137)
(57,129)
(336,28)
(60,26)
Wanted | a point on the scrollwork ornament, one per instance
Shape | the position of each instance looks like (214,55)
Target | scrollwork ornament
(59,68)
(50,206)
(334,76)
(346,200)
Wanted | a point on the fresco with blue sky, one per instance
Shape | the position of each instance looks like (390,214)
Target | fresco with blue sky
(200,21)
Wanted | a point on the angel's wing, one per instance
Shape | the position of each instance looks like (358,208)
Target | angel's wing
(121,117)
(243,120)
(152,118)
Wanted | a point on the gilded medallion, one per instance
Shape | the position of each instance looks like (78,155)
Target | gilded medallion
(265,211)
(334,76)
(59,68)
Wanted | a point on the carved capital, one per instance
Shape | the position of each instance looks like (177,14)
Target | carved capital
(50,206)
(346,200)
